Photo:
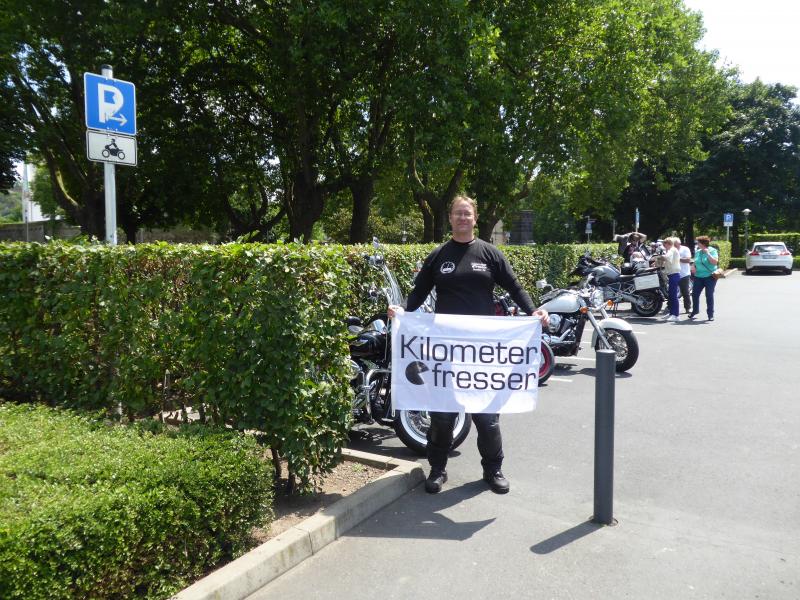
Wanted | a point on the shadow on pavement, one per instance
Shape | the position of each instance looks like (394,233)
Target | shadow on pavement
(422,519)
(383,441)
(565,537)
(567,369)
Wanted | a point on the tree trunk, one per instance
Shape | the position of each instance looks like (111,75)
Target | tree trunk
(91,216)
(363,191)
(427,216)
(304,207)
(485,228)
(439,219)
(129,227)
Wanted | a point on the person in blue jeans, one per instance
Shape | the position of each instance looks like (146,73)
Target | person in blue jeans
(706,260)
(672,269)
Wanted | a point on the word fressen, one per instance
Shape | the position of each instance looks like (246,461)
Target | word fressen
(467,353)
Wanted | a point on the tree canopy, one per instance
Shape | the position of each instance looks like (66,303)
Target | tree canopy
(254,117)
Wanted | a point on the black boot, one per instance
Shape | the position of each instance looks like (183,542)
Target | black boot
(497,481)
(435,481)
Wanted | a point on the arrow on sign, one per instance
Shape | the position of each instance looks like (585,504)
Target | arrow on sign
(121,119)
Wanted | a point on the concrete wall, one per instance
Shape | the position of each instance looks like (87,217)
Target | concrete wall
(35,231)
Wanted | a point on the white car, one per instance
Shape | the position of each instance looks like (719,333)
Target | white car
(769,255)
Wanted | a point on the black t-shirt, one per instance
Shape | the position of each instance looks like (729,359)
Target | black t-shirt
(465,275)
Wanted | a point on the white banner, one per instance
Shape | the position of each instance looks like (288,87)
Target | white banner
(461,363)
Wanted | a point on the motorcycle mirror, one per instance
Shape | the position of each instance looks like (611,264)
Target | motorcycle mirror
(375,243)
(541,283)
(354,329)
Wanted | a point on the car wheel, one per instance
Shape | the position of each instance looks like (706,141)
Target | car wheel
(748,271)
(787,271)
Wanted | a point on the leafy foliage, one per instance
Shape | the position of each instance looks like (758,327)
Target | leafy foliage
(253,116)
(751,161)
(11,205)
(251,336)
(95,510)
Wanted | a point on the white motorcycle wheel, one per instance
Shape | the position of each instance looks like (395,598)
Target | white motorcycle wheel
(412,427)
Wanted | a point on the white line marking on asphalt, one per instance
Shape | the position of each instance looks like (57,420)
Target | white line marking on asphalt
(566,360)
(560,379)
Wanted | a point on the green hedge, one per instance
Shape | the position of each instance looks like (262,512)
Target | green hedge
(554,262)
(724,249)
(89,510)
(791,239)
(248,334)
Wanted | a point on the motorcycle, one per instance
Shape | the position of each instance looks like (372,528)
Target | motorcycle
(371,371)
(112,149)
(571,309)
(504,306)
(643,289)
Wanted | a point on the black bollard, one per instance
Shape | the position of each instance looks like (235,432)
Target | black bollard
(604,438)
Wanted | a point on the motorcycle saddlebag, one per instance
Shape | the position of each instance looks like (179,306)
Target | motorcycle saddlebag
(646,282)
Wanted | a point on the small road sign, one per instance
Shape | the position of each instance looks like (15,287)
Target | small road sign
(727,220)
(110,104)
(110,147)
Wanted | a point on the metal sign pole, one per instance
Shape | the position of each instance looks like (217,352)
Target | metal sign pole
(26,201)
(110,184)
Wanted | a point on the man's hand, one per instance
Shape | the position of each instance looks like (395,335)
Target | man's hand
(393,310)
(544,316)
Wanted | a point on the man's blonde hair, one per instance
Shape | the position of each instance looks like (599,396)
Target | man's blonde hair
(463,198)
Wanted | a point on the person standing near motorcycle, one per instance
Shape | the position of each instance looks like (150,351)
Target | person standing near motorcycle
(464,272)
(635,244)
(706,260)
(686,274)
(672,269)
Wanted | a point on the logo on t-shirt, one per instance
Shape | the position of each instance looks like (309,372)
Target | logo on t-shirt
(447,267)
(476,266)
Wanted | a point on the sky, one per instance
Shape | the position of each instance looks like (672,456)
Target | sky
(761,37)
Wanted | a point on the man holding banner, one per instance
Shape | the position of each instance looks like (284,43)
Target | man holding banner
(449,362)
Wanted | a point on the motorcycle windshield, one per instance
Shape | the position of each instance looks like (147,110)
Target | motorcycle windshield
(393,293)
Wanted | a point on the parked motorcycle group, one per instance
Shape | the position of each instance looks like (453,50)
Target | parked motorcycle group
(601,289)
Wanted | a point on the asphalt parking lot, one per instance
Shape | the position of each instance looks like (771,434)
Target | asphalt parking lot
(706,491)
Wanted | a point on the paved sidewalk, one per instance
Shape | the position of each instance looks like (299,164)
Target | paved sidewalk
(707,481)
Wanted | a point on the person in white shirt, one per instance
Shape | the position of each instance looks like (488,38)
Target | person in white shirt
(685,283)
(672,269)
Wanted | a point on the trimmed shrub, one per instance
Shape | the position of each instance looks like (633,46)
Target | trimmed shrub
(251,335)
(554,262)
(90,510)
(791,239)
(724,249)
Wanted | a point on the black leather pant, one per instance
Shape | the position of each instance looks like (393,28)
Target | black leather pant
(490,442)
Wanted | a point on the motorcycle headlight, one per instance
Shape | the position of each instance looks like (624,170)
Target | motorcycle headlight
(597,299)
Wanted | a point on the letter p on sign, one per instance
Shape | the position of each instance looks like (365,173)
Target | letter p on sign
(109,101)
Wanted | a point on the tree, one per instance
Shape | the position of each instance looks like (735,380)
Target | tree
(751,161)
(12,134)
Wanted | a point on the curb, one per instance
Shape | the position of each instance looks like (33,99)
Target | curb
(247,574)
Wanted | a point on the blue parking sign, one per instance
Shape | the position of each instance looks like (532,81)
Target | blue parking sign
(110,104)
(727,220)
